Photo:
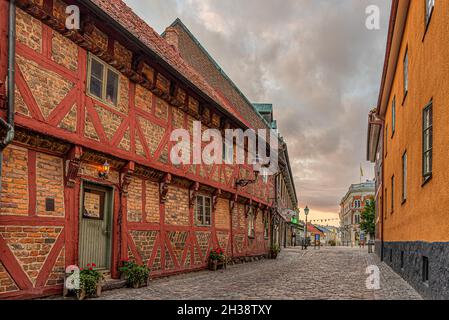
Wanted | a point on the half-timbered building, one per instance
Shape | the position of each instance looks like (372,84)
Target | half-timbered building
(86,117)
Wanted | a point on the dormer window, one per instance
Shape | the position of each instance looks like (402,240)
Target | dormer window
(103,81)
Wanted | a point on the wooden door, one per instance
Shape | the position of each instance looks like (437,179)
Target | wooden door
(95,228)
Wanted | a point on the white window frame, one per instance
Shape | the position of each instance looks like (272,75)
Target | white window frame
(404,176)
(430,5)
(406,71)
(106,68)
(203,214)
(251,223)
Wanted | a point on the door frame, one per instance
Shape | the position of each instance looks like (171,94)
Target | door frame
(109,201)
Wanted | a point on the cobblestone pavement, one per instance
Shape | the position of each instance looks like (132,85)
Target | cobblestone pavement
(328,273)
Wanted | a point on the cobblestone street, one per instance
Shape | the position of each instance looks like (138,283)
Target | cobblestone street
(328,273)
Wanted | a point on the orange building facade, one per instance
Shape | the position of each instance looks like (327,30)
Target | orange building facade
(408,139)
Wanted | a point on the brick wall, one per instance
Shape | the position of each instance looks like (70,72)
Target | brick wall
(222,215)
(30,245)
(49,184)
(177,207)
(14,196)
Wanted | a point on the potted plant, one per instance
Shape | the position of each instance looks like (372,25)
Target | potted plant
(274,251)
(136,276)
(217,259)
(90,282)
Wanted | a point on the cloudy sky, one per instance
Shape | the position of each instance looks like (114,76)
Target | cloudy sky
(314,60)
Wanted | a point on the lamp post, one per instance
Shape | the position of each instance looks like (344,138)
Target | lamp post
(306,212)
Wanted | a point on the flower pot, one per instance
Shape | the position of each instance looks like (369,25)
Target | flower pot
(99,289)
(213,265)
(142,284)
(81,294)
(274,255)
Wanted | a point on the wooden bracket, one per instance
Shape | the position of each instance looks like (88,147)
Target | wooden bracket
(126,177)
(234,201)
(248,207)
(215,197)
(73,164)
(163,187)
(193,191)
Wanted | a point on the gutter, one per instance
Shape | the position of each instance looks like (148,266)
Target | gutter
(8,125)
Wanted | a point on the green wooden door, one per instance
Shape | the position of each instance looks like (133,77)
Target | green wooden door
(95,228)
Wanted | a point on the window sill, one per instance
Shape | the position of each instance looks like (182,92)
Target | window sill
(426,180)
(203,225)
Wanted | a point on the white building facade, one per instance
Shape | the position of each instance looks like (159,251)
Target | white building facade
(351,207)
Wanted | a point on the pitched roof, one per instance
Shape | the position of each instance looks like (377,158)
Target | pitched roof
(241,102)
(132,23)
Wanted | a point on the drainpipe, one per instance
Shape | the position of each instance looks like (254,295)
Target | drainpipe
(8,125)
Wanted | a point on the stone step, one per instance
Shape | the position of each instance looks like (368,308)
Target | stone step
(112,284)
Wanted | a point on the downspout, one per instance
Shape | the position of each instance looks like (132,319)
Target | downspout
(8,125)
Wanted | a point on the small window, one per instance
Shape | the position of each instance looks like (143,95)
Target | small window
(404,176)
(203,210)
(251,229)
(393,117)
(429,9)
(406,66)
(103,81)
(427,142)
(266,228)
(391,255)
(392,194)
(402,259)
(49,205)
(425,269)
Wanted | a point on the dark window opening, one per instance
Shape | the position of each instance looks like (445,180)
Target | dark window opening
(50,205)
(425,269)
(402,259)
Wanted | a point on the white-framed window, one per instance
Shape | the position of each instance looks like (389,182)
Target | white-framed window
(102,81)
(404,176)
(251,223)
(406,66)
(393,116)
(427,141)
(430,4)
(392,194)
(266,227)
(203,210)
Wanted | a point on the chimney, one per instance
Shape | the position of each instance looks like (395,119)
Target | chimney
(171,36)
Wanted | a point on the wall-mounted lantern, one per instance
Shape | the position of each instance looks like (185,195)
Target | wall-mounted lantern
(103,172)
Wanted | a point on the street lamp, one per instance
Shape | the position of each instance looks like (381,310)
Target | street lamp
(306,212)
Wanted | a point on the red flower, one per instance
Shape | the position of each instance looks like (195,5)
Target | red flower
(81,269)
(94,265)
(90,268)
(88,264)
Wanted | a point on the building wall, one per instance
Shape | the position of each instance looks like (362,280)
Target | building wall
(421,217)
(54,114)
(418,227)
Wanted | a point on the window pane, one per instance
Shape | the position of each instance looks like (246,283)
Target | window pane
(112,87)
(96,87)
(96,69)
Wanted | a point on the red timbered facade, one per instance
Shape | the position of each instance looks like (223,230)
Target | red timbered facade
(54,206)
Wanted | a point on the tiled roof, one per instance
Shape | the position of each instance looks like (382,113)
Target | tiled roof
(129,20)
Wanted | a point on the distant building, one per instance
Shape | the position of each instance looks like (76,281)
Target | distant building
(351,207)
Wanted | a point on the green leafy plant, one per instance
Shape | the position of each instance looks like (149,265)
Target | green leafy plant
(368,215)
(136,275)
(217,254)
(89,279)
(275,249)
